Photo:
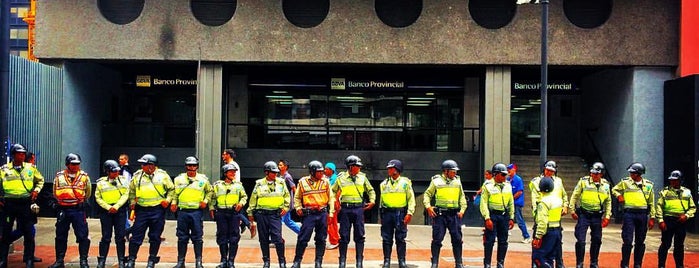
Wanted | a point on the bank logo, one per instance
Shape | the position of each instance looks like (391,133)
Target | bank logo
(143,81)
(337,83)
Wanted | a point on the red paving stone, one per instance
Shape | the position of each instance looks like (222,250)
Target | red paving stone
(252,255)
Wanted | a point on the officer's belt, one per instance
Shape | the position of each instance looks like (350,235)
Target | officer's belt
(267,211)
(352,205)
(394,209)
(635,210)
(189,209)
(20,200)
(76,206)
(156,207)
(497,212)
(589,212)
(553,228)
(446,211)
(314,210)
(227,210)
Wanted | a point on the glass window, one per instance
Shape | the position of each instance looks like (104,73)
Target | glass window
(22,12)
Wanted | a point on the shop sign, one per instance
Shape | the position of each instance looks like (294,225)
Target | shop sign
(342,84)
(148,81)
(553,86)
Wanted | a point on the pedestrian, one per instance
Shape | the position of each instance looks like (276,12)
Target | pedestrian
(72,189)
(333,227)
(228,157)
(592,207)
(227,201)
(397,205)
(675,206)
(446,203)
(547,233)
(269,202)
(150,194)
(111,195)
(291,186)
(635,194)
(350,187)
(21,183)
(314,204)
(550,170)
(518,194)
(498,211)
(191,197)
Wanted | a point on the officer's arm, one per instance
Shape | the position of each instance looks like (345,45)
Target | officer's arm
(659,206)
(651,202)
(98,198)
(169,188)
(618,188)
(331,200)
(542,220)
(370,191)
(298,202)
(38,180)
(122,200)
(214,197)
(511,208)
(607,204)
(287,199)
(253,201)
(177,188)
(208,191)
(243,196)
(692,207)
(564,196)
(535,194)
(462,200)
(88,187)
(132,192)
(411,199)
(485,212)
(427,196)
(576,194)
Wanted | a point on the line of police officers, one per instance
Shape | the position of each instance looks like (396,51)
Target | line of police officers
(151,192)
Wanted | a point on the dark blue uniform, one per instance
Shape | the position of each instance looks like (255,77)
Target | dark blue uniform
(550,246)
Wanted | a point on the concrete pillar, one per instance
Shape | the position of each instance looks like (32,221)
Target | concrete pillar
(496,123)
(209,119)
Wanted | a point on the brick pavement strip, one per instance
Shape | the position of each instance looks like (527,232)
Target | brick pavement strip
(418,249)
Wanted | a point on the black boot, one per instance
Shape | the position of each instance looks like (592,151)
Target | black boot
(387,248)
(133,254)
(343,255)
(223,250)
(435,255)
(456,250)
(639,252)
(100,261)
(121,252)
(678,255)
(232,252)
(122,262)
(29,263)
(130,262)
(594,254)
(181,254)
(280,255)
(298,256)
(359,248)
(152,260)
(487,254)
(502,252)
(265,254)
(625,255)
(83,263)
(61,247)
(579,254)
(297,264)
(198,248)
(320,252)
(400,251)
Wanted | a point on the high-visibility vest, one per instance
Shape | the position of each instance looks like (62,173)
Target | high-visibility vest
(270,198)
(70,192)
(554,204)
(677,202)
(448,192)
(111,192)
(19,184)
(636,195)
(227,194)
(499,195)
(150,189)
(315,194)
(395,193)
(352,190)
(593,195)
(190,192)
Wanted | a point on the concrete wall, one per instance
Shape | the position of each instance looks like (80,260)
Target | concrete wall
(639,32)
(86,89)
(624,108)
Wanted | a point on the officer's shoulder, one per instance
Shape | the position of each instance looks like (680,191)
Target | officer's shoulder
(101,179)
(60,172)
(202,176)
(647,181)
(161,171)
(436,176)
(84,173)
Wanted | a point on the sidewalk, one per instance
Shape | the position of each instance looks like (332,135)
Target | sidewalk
(519,255)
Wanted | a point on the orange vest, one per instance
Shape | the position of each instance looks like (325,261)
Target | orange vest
(314,195)
(70,193)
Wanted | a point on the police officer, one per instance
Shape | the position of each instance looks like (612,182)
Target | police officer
(636,196)
(397,205)
(445,203)
(21,184)
(675,206)
(592,207)
(72,189)
(191,196)
(558,190)
(269,202)
(150,193)
(350,187)
(227,200)
(315,202)
(111,194)
(547,233)
(498,211)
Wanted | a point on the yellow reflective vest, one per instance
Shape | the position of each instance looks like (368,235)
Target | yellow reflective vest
(558,190)
(636,195)
(227,195)
(150,190)
(269,195)
(548,213)
(110,193)
(497,196)
(352,188)
(189,192)
(447,193)
(675,202)
(19,184)
(592,197)
(398,193)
